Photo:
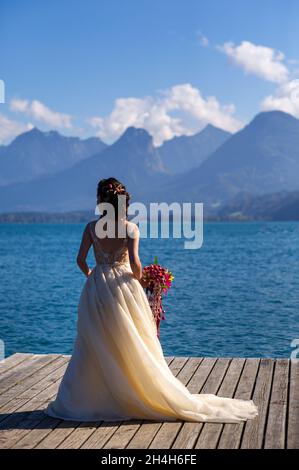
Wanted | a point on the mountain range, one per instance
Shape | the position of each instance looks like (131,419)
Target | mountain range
(182,153)
(261,158)
(50,172)
(281,206)
(37,153)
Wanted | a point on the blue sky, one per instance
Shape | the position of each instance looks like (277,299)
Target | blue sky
(173,65)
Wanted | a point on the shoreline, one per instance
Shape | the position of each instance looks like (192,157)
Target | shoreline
(29,383)
(75,217)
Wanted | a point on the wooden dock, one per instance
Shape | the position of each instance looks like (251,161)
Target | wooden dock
(28,382)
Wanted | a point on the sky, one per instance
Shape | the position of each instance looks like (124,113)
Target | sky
(95,67)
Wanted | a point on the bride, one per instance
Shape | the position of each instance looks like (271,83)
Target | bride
(117,370)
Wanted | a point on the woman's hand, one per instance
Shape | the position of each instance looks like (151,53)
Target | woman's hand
(143,282)
(89,272)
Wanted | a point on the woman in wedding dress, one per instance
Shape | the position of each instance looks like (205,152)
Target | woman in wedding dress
(117,370)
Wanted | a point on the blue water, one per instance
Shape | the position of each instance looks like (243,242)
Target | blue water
(238,295)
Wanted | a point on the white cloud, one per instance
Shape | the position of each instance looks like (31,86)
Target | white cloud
(39,112)
(264,62)
(205,110)
(285,98)
(9,129)
(268,64)
(153,114)
(203,40)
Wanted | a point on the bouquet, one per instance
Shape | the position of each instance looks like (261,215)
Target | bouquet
(158,281)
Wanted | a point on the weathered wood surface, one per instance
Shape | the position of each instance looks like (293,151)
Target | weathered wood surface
(29,381)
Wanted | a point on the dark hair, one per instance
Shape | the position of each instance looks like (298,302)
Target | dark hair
(109,189)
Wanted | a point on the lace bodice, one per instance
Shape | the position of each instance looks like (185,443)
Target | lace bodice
(119,256)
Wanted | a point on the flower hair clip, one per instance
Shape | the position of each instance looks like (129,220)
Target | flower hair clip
(110,188)
(119,190)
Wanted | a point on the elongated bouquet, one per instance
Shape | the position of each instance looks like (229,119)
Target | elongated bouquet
(158,281)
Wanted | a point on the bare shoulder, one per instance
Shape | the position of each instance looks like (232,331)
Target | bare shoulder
(90,224)
(88,227)
(132,230)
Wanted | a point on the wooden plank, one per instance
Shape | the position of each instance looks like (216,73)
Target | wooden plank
(45,390)
(22,424)
(54,431)
(12,361)
(23,370)
(177,364)
(189,431)
(25,364)
(202,382)
(165,437)
(20,388)
(7,402)
(40,428)
(293,408)
(214,382)
(232,432)
(103,433)
(47,424)
(125,432)
(33,384)
(30,382)
(210,433)
(79,435)
(254,428)
(275,435)
(7,399)
(29,415)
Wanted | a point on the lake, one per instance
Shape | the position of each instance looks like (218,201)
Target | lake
(238,295)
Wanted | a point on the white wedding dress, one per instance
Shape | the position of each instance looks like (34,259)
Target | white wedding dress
(117,370)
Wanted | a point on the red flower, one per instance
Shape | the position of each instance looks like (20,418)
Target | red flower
(159,281)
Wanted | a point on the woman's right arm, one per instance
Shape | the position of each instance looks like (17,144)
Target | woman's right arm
(86,243)
(133,246)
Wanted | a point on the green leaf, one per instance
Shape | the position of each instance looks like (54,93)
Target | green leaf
(156,260)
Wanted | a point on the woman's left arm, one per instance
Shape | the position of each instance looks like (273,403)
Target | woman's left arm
(86,243)
(133,245)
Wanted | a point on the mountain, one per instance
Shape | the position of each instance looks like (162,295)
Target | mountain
(283,205)
(185,152)
(132,158)
(35,153)
(74,217)
(261,158)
